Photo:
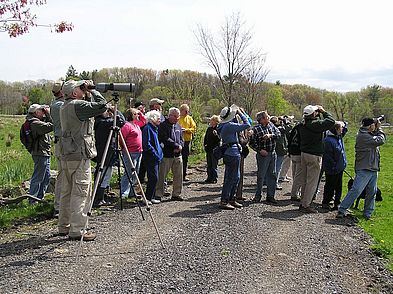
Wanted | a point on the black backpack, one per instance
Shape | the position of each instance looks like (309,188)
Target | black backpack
(26,136)
(294,140)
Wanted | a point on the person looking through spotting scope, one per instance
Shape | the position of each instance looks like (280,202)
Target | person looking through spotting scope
(77,148)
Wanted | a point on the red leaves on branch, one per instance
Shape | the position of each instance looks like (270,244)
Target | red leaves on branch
(16,19)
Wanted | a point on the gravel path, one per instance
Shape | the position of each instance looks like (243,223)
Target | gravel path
(257,249)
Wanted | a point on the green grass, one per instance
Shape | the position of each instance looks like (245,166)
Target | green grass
(380,227)
(12,214)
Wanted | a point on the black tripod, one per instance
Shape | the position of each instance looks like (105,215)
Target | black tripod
(116,135)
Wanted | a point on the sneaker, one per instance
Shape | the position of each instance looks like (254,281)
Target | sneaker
(167,193)
(307,209)
(283,180)
(185,179)
(226,206)
(340,214)
(278,187)
(177,198)
(155,201)
(235,204)
(89,236)
(295,198)
(56,214)
(271,200)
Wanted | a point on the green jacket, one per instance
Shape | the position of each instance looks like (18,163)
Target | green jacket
(40,130)
(312,133)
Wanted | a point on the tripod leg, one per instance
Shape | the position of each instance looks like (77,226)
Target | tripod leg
(143,193)
(126,172)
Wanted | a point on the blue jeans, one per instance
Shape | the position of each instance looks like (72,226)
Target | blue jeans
(212,163)
(266,168)
(279,161)
(363,179)
(41,175)
(152,166)
(231,177)
(125,185)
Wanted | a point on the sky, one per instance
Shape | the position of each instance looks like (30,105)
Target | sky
(338,45)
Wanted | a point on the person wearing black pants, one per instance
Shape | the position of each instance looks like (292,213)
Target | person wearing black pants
(333,164)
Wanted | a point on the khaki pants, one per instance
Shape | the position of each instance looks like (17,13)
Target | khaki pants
(75,196)
(311,166)
(176,165)
(297,175)
(59,178)
(285,167)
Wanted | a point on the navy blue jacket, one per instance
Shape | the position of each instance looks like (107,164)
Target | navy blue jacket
(334,160)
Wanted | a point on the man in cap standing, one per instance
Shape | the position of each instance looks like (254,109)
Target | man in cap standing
(77,148)
(55,113)
(41,125)
(311,147)
(367,165)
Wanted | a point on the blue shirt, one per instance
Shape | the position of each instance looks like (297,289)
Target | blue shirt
(150,143)
(229,134)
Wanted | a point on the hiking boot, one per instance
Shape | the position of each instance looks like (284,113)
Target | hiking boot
(271,200)
(307,209)
(326,206)
(177,198)
(89,236)
(340,214)
(235,204)
(226,206)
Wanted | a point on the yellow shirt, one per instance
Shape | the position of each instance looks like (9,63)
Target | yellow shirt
(188,125)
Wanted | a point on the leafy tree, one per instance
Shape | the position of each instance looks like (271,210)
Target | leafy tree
(72,74)
(16,18)
(373,93)
(275,103)
(385,106)
(37,95)
(85,75)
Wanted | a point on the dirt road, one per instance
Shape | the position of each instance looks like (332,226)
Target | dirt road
(260,248)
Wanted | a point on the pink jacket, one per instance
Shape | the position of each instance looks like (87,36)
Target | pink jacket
(132,136)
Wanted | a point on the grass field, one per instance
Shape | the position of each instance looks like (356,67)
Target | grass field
(16,166)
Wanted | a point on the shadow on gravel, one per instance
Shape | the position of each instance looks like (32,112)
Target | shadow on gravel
(347,221)
(287,215)
(16,247)
(198,211)
(209,188)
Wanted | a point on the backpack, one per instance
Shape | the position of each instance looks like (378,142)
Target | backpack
(26,136)
(294,140)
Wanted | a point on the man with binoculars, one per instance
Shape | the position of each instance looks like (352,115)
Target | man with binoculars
(367,160)
(81,105)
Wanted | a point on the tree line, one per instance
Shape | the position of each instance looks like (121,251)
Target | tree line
(204,94)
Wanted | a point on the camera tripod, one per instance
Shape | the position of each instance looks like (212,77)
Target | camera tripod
(116,135)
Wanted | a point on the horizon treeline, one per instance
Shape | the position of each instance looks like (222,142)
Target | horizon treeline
(204,94)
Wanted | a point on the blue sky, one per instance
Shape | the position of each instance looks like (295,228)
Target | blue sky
(336,45)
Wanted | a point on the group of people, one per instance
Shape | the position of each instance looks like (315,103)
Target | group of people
(314,146)
(82,120)
(154,144)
